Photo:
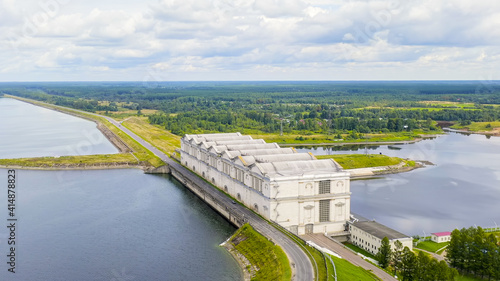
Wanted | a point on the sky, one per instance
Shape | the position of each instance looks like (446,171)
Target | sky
(206,40)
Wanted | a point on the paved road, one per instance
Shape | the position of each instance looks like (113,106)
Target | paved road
(346,254)
(303,268)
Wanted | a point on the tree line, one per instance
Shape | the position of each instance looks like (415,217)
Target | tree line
(410,266)
(473,251)
(301,107)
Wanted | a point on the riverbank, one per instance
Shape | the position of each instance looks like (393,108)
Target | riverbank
(495,132)
(259,258)
(366,173)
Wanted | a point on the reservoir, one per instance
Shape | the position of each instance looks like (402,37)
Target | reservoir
(461,190)
(101,224)
(32,131)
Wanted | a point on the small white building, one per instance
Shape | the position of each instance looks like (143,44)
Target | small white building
(441,237)
(368,235)
(295,190)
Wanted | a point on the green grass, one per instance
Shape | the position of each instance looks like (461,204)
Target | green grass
(359,250)
(318,139)
(431,246)
(478,126)
(270,260)
(85,160)
(158,137)
(354,161)
(348,271)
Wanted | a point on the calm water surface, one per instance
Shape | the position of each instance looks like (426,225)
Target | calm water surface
(100,224)
(32,131)
(113,225)
(461,190)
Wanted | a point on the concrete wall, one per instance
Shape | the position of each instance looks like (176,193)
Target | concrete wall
(233,217)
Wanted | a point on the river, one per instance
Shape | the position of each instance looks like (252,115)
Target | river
(461,190)
(104,224)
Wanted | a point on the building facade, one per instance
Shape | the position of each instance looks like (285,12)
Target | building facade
(441,237)
(295,190)
(368,235)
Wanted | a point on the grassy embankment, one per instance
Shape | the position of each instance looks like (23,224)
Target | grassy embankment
(348,271)
(359,250)
(431,246)
(157,136)
(479,127)
(268,261)
(141,153)
(354,161)
(318,139)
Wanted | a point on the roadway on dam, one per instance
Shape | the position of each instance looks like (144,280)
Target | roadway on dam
(301,265)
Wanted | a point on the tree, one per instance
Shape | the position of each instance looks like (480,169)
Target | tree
(408,265)
(384,253)
(397,256)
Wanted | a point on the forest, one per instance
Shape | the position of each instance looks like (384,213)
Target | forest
(340,109)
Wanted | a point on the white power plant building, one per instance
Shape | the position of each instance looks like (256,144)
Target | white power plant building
(295,190)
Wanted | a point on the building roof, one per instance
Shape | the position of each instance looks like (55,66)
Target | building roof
(271,151)
(379,230)
(251,159)
(439,234)
(293,168)
(268,159)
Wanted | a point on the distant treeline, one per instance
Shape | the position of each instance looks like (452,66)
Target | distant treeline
(314,107)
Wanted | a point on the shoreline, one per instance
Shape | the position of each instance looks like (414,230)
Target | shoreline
(75,168)
(492,134)
(108,134)
(423,137)
(376,172)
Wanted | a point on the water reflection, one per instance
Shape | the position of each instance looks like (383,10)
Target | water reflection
(462,190)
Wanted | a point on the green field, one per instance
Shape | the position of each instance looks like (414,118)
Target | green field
(269,259)
(431,246)
(348,271)
(303,139)
(478,126)
(354,161)
(79,161)
(158,137)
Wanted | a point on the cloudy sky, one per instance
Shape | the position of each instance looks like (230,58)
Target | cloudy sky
(172,40)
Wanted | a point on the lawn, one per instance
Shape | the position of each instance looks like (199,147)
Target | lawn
(270,260)
(354,161)
(348,271)
(359,250)
(431,246)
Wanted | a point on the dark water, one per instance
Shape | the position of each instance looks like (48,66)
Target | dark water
(32,131)
(100,225)
(462,190)
(112,225)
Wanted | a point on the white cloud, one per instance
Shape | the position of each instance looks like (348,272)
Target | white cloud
(245,39)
